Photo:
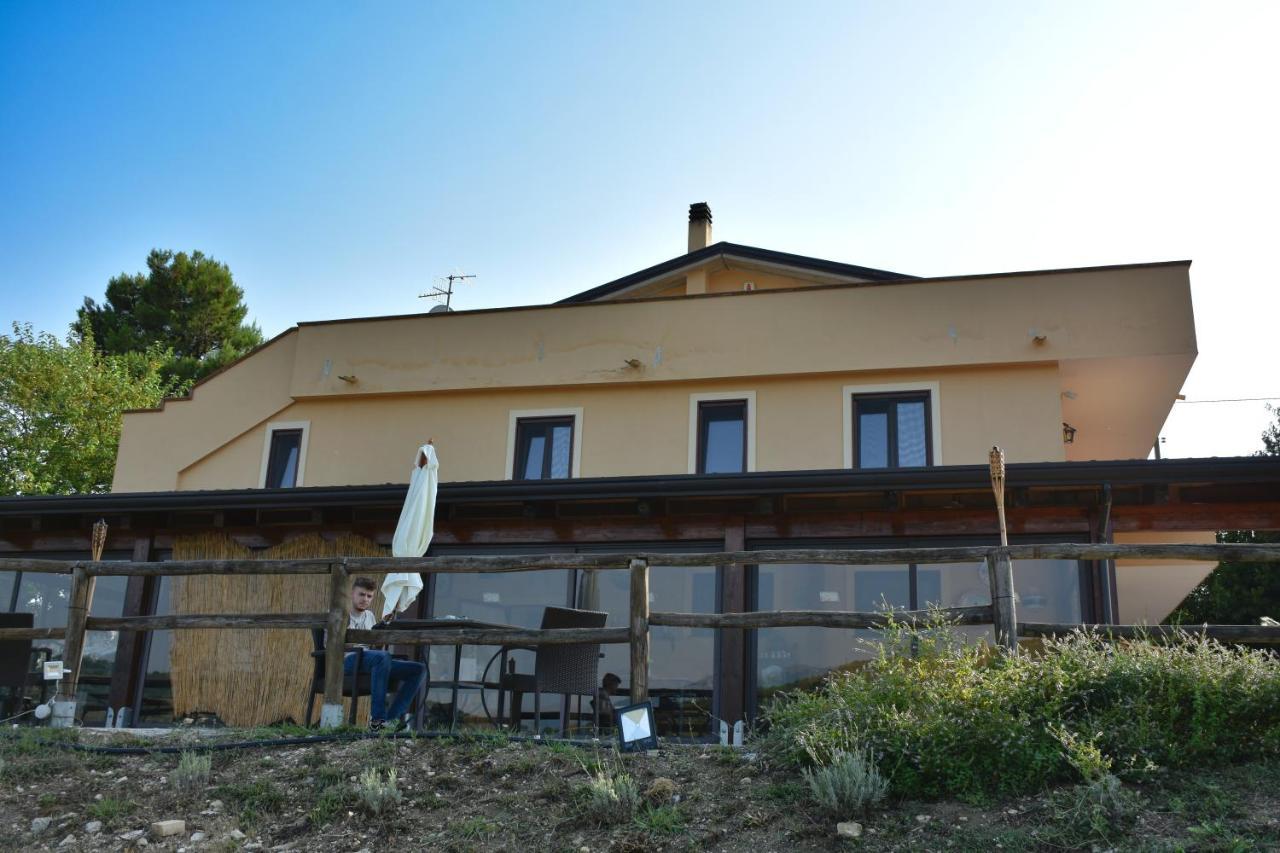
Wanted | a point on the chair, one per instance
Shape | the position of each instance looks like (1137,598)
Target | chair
(568,670)
(15,663)
(354,684)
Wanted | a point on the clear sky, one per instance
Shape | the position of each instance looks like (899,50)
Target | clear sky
(341,156)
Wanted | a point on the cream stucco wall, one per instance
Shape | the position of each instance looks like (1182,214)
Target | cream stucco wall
(1148,590)
(640,430)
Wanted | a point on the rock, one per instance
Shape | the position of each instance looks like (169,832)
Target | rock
(660,791)
(40,825)
(236,834)
(68,841)
(849,829)
(216,806)
(97,796)
(93,827)
(198,836)
(165,828)
(132,836)
(746,780)
(922,818)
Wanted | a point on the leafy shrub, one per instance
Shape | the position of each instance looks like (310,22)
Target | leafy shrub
(850,785)
(191,775)
(611,797)
(961,720)
(377,793)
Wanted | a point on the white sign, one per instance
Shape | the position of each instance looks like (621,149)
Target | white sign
(492,598)
(828,596)
(53,670)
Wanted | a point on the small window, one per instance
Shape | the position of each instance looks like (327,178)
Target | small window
(722,437)
(891,431)
(286,454)
(544,449)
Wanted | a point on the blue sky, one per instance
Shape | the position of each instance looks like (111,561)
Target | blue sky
(342,156)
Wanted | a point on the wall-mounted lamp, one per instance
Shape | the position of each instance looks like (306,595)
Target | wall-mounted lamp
(1068,433)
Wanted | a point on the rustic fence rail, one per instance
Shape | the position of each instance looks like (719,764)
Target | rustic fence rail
(1001,613)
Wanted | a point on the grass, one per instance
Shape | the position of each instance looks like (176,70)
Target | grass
(255,799)
(662,820)
(110,810)
(473,829)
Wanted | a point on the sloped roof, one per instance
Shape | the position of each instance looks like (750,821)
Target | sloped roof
(736,250)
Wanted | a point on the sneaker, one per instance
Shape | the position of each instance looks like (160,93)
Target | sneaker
(376,726)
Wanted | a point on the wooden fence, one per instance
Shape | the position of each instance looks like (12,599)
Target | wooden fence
(1001,613)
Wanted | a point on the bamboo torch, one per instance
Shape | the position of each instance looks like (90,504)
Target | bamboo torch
(997,485)
(99,540)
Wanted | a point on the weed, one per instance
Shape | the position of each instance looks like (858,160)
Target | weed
(784,792)
(332,800)
(47,800)
(663,820)
(473,829)
(327,776)
(255,799)
(110,810)
(191,775)
(378,793)
(848,786)
(611,796)
(314,759)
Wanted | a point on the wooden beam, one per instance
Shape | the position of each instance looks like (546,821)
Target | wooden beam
(33,633)
(335,645)
(733,700)
(490,636)
(125,670)
(77,615)
(980,615)
(639,631)
(1003,602)
(178,621)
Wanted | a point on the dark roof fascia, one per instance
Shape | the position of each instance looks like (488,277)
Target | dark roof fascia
(739,251)
(1215,470)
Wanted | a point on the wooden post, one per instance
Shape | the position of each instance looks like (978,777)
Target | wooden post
(73,646)
(1004,612)
(335,645)
(639,631)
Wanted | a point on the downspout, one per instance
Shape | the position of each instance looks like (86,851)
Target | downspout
(1107,575)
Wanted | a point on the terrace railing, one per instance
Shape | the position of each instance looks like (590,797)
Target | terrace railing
(1001,613)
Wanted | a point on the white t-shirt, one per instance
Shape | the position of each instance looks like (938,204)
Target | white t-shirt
(362,621)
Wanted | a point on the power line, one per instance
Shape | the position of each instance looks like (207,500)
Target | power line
(1230,400)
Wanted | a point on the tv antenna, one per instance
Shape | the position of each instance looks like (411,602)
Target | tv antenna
(444,291)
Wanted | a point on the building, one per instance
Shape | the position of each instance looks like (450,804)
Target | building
(730,398)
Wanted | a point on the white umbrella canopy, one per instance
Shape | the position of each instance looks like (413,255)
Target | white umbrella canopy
(413,531)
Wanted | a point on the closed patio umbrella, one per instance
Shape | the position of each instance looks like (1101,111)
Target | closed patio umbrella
(413,531)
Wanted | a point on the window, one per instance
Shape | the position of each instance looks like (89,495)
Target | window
(722,437)
(544,448)
(891,430)
(284,458)
(284,454)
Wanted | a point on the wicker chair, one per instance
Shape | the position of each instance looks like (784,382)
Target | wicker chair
(568,670)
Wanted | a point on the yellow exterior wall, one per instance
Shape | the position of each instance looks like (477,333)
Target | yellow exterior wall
(640,430)
(1148,590)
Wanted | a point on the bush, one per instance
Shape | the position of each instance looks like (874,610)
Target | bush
(377,793)
(191,775)
(961,720)
(850,785)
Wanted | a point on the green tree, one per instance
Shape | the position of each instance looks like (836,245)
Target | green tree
(60,410)
(188,304)
(1238,593)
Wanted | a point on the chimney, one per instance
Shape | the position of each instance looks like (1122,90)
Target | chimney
(699,226)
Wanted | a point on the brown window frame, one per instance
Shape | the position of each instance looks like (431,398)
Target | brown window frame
(700,457)
(894,397)
(520,451)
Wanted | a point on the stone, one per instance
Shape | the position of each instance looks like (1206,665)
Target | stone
(40,825)
(215,805)
(68,841)
(922,818)
(165,828)
(849,829)
(132,836)
(93,827)
(236,834)
(198,836)
(746,780)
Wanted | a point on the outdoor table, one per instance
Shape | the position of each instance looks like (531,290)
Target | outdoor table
(456,683)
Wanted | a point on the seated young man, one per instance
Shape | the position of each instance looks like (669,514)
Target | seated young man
(381,666)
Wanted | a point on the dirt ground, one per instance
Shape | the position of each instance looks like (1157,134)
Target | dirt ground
(485,794)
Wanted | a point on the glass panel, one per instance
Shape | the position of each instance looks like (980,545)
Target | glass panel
(911,435)
(503,598)
(956,585)
(561,447)
(157,691)
(873,440)
(1047,590)
(6,590)
(533,457)
(725,443)
(282,468)
(100,650)
(681,660)
(791,658)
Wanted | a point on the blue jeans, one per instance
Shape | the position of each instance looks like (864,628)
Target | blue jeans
(383,669)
